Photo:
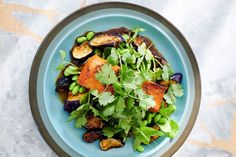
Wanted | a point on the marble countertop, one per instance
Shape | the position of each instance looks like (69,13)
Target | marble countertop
(209,26)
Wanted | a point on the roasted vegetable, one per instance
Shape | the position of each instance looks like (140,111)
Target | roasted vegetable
(92,136)
(87,76)
(94,122)
(105,40)
(72,102)
(62,85)
(109,143)
(81,51)
(177,77)
(140,39)
(157,91)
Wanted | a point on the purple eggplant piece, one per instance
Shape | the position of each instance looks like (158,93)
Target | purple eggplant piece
(177,77)
(62,85)
(71,105)
(105,40)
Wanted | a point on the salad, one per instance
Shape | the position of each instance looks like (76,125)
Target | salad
(118,86)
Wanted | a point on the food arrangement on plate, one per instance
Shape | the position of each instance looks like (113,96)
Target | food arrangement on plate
(118,85)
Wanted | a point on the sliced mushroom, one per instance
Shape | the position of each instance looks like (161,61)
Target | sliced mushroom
(92,136)
(153,138)
(105,40)
(81,51)
(109,143)
(94,122)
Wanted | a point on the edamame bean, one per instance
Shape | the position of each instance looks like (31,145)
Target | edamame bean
(74,78)
(72,86)
(149,117)
(90,35)
(81,39)
(162,120)
(157,118)
(75,90)
(81,89)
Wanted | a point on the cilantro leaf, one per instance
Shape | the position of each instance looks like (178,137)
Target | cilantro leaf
(120,104)
(109,110)
(171,128)
(147,102)
(167,72)
(78,112)
(81,121)
(125,125)
(110,131)
(98,113)
(177,90)
(169,96)
(113,58)
(71,70)
(62,54)
(106,98)
(60,66)
(106,75)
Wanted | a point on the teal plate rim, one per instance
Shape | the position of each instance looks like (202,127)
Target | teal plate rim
(46,42)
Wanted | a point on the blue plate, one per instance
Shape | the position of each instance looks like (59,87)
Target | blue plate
(47,109)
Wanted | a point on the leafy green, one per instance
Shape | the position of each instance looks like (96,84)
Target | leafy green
(167,111)
(71,70)
(106,75)
(106,98)
(109,110)
(81,121)
(177,90)
(62,54)
(120,104)
(169,96)
(143,135)
(171,128)
(110,131)
(113,57)
(167,72)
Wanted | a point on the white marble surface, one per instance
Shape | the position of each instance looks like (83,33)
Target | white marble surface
(208,25)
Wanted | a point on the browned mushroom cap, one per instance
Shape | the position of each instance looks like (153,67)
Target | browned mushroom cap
(94,122)
(140,39)
(153,138)
(105,40)
(109,143)
(92,136)
(82,50)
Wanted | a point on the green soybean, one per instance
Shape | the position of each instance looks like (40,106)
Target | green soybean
(72,86)
(74,78)
(81,39)
(162,120)
(157,118)
(149,117)
(75,90)
(90,35)
(144,123)
(81,89)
